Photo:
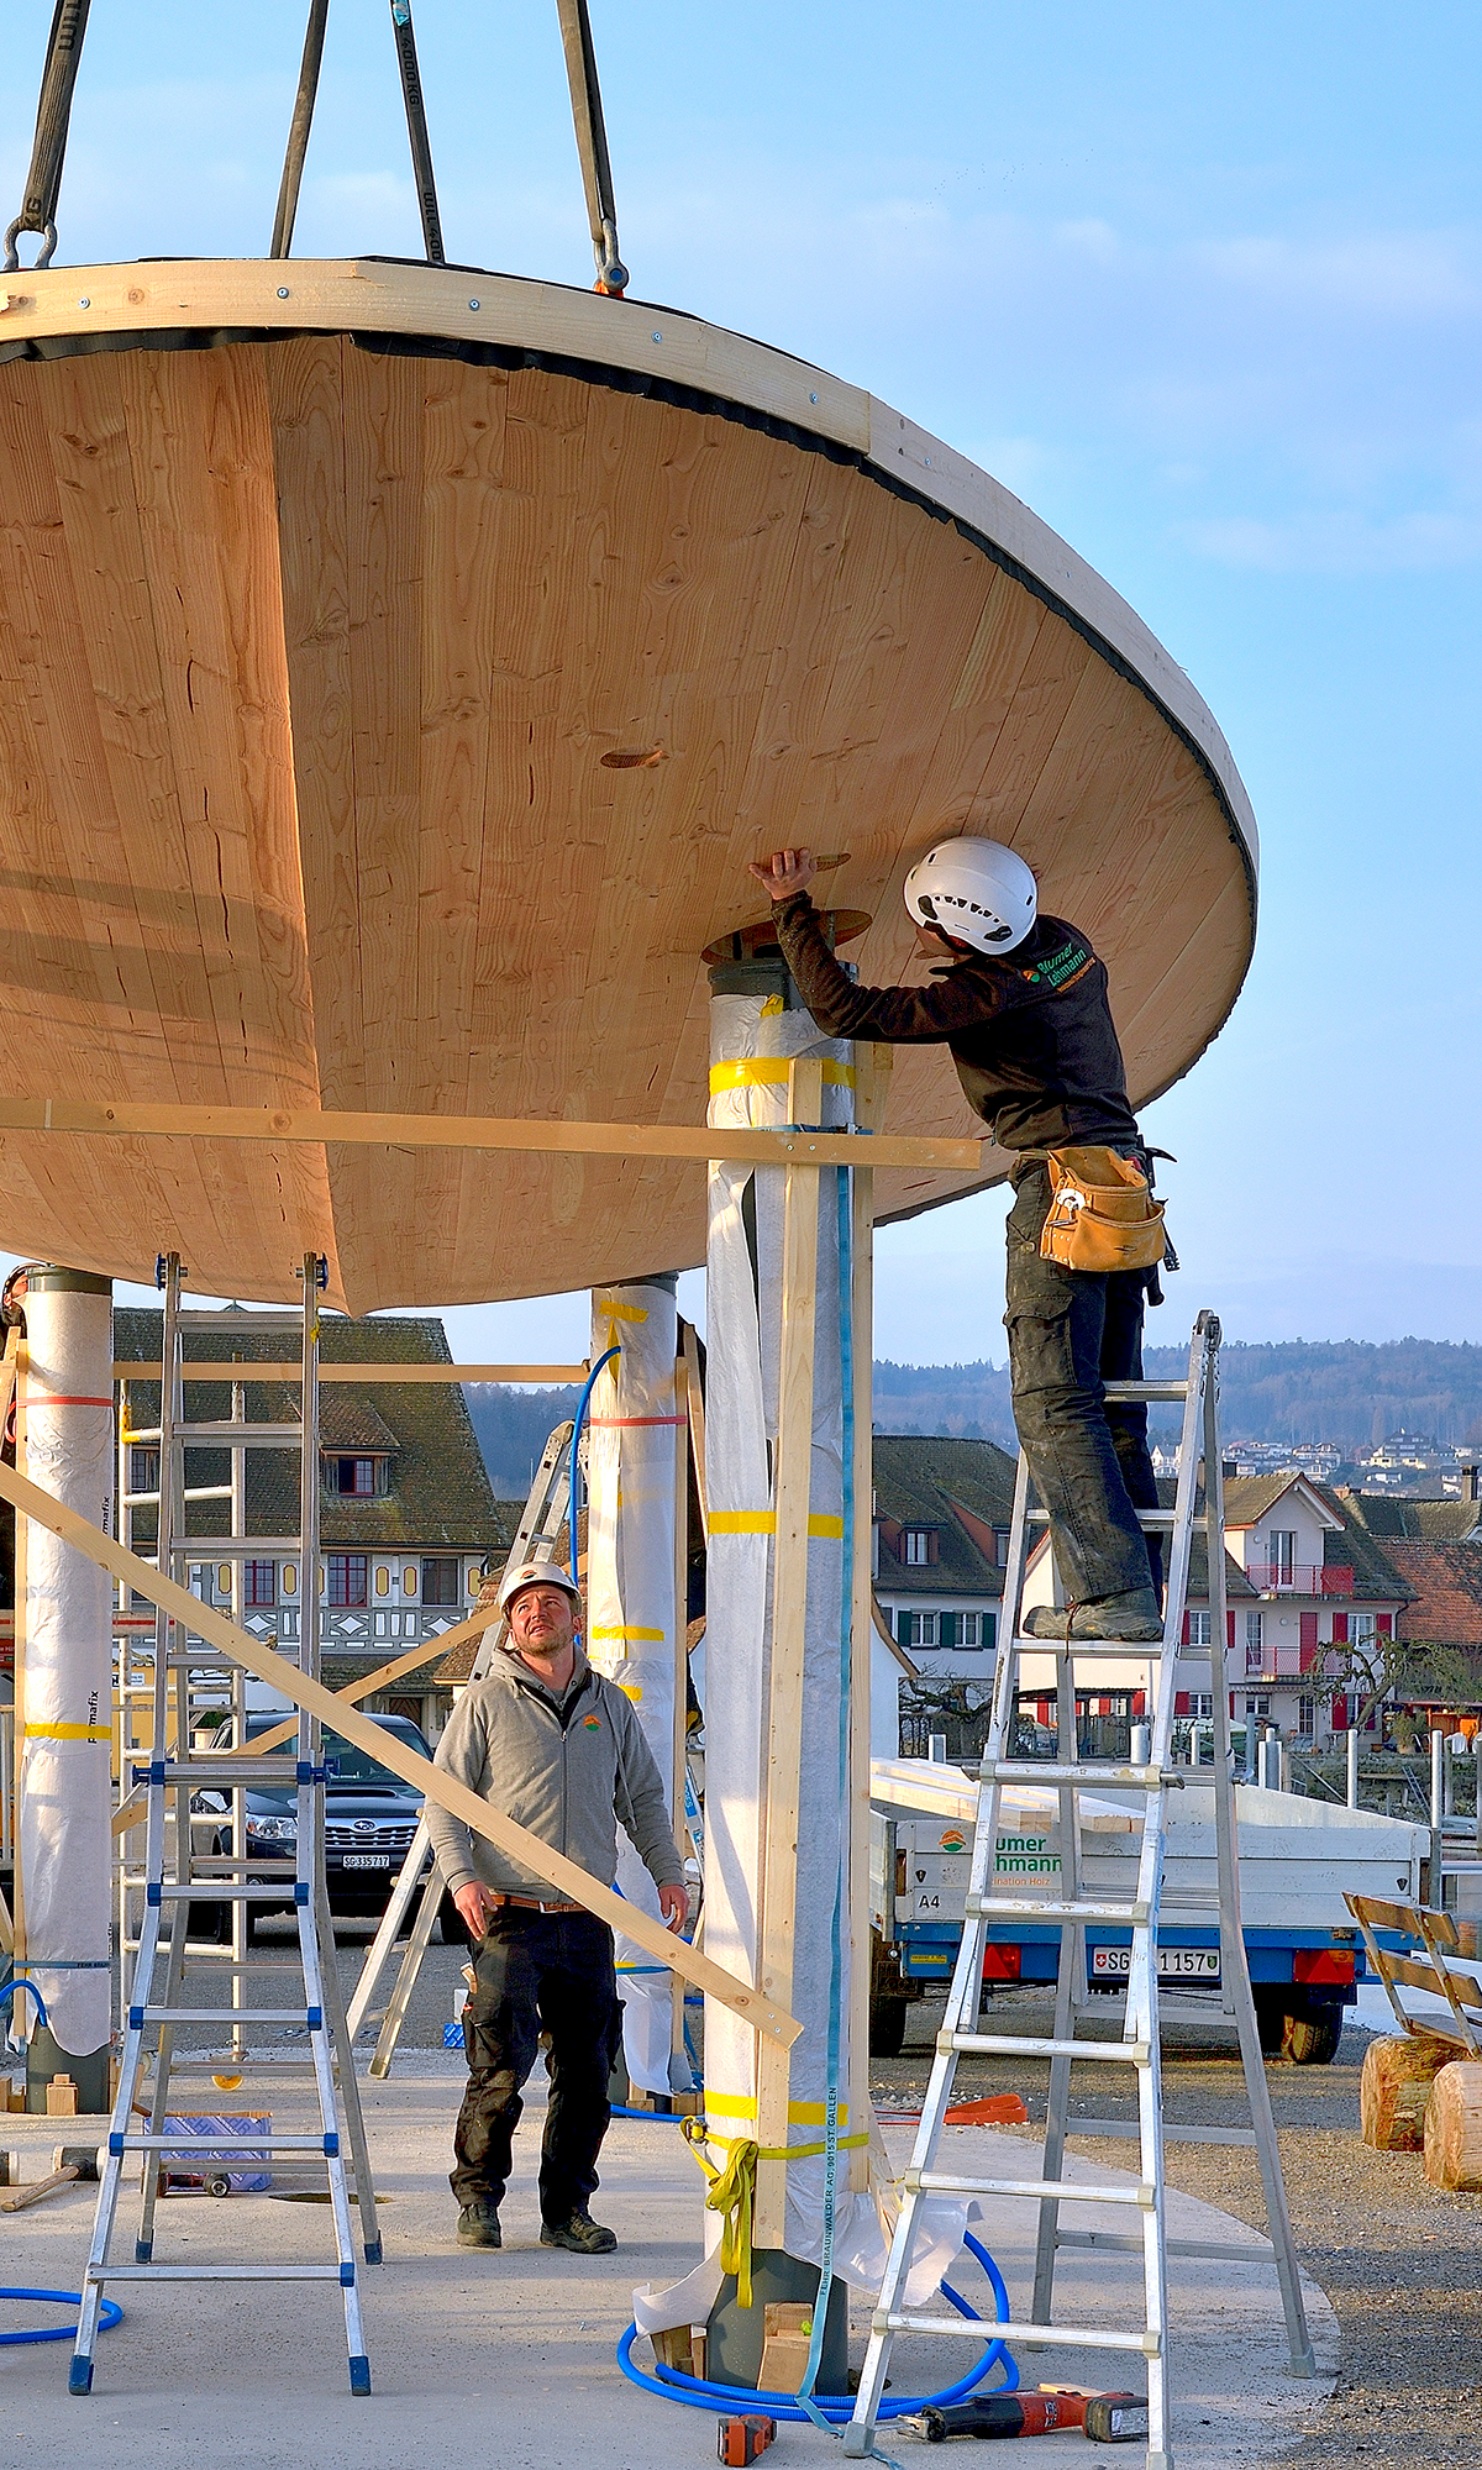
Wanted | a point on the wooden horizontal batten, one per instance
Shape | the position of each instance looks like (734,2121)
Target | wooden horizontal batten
(576,1140)
(249,1369)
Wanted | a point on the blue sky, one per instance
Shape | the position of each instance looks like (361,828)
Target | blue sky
(1203,284)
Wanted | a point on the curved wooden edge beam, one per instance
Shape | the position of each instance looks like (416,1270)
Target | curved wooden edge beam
(275,1670)
(511,1132)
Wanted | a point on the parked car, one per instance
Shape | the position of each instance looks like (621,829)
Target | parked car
(370,1817)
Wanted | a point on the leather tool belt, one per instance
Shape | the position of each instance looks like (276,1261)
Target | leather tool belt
(1102,1215)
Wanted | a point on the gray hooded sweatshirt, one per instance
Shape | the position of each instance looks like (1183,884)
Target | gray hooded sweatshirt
(569,1768)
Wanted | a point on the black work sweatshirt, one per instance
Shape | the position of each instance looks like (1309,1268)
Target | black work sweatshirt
(1031,1034)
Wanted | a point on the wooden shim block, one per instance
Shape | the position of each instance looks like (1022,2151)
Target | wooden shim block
(565,1876)
(787,2334)
(674,2346)
(1453,2128)
(750,1144)
(1395,2088)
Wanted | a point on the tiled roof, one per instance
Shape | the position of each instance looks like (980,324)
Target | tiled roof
(929,1480)
(1375,1574)
(440,1493)
(1445,1609)
(1249,1497)
(1446,1521)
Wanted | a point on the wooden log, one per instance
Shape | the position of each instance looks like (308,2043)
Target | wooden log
(1395,2088)
(1453,2128)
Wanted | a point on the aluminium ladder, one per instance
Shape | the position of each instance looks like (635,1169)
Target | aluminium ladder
(189,1683)
(543,1522)
(1151,1778)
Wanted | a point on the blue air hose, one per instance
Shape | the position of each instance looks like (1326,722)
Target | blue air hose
(111,2314)
(21,1981)
(672,2384)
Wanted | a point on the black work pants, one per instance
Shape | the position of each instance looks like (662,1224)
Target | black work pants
(538,1971)
(1070,1332)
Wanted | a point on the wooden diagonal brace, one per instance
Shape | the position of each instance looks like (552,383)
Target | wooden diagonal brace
(278,1674)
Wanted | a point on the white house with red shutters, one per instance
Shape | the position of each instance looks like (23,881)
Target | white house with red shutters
(1304,1580)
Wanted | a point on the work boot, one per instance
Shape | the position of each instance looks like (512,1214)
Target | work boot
(478,2226)
(579,2232)
(1133,1618)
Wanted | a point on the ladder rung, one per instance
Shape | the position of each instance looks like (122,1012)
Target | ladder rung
(1129,2132)
(1038,2190)
(223,1891)
(1136,1650)
(223,1767)
(1128,1916)
(224,2015)
(98,2274)
(1035,2045)
(240,1436)
(1045,2336)
(1117,2242)
(1161,1393)
(223,2147)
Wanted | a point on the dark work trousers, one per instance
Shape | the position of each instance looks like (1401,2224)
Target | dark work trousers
(534,1971)
(1071,1331)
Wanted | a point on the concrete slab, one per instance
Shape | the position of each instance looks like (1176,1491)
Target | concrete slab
(510,2355)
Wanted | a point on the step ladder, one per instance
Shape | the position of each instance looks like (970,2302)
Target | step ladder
(198,1858)
(541,1533)
(1151,1778)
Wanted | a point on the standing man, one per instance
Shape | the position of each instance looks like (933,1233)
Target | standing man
(1021,1001)
(554,1745)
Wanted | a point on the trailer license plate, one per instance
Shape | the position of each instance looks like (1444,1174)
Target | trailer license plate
(1174,1964)
(366,1861)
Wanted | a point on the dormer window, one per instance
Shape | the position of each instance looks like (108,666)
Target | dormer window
(919,1546)
(359,1478)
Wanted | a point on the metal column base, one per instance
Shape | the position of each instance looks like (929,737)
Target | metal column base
(45,2058)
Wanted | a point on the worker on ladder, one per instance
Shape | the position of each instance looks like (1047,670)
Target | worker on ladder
(1021,1001)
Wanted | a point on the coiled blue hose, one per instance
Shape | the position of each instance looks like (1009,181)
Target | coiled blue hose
(672,2384)
(110,2315)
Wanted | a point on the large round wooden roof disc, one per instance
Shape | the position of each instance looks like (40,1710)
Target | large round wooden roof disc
(324,591)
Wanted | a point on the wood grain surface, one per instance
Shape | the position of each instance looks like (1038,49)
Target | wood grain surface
(309,657)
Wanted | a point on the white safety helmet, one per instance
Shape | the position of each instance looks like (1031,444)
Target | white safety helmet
(535,1574)
(976,891)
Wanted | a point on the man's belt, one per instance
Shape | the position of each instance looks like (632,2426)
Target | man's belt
(533,1904)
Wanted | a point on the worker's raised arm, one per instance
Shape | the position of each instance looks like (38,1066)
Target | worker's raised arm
(898,1015)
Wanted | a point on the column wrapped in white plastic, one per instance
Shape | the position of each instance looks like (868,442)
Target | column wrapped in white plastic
(752,1039)
(634,1623)
(65,1719)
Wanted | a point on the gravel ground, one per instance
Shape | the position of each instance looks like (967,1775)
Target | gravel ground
(1401,2263)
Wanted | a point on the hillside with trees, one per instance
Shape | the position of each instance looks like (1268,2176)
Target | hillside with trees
(1297,1390)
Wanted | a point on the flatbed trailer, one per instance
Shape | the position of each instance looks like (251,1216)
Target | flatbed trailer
(1297,1859)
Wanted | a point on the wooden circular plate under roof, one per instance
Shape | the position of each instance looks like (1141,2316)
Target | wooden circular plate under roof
(398,668)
